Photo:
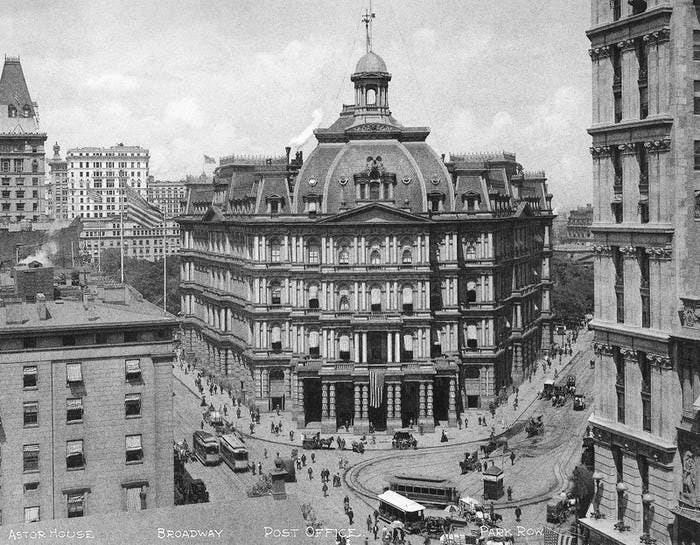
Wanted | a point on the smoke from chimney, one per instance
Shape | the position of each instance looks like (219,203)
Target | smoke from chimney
(303,137)
(43,256)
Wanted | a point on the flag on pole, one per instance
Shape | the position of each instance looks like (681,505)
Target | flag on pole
(96,196)
(140,211)
(555,538)
(376,387)
(209,160)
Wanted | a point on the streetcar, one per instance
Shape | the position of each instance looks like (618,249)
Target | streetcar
(430,490)
(206,447)
(233,452)
(393,506)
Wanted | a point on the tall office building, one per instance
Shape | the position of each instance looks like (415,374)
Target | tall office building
(646,175)
(167,195)
(58,201)
(95,176)
(86,409)
(21,148)
(375,282)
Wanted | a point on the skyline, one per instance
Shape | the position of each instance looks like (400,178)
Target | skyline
(202,82)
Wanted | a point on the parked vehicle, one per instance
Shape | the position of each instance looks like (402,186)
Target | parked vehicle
(403,439)
(535,426)
(315,442)
(428,490)
(234,452)
(206,447)
(394,507)
(579,402)
(470,462)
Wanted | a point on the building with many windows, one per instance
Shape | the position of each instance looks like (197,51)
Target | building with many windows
(646,226)
(578,226)
(58,192)
(375,282)
(21,148)
(86,409)
(99,235)
(168,196)
(96,176)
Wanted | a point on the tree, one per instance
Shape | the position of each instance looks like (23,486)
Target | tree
(147,277)
(572,293)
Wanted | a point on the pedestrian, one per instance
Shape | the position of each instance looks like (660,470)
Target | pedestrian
(260,468)
(366,540)
(202,424)
(512,457)
(509,491)
(272,427)
(253,468)
(310,471)
(518,513)
(369,523)
(346,504)
(252,428)
(350,515)
(303,459)
(291,435)
(313,457)
(225,410)
(325,490)
(375,530)
(486,466)
(459,422)
(265,452)
(238,412)
(466,423)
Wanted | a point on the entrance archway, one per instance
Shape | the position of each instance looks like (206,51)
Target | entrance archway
(277,396)
(409,403)
(344,404)
(441,398)
(312,400)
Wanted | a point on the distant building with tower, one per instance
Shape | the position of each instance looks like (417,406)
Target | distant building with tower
(22,167)
(374,282)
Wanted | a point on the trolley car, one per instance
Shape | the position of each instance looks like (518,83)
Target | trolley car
(428,490)
(206,447)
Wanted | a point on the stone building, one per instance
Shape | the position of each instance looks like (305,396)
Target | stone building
(21,148)
(374,282)
(578,226)
(86,409)
(646,164)
(58,200)
(167,195)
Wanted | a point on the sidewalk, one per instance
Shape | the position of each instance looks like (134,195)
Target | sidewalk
(504,418)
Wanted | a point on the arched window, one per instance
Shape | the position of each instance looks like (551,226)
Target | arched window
(11,111)
(344,347)
(407,257)
(314,252)
(375,257)
(313,344)
(313,296)
(471,291)
(344,299)
(376,299)
(275,293)
(436,346)
(374,191)
(275,251)
(35,166)
(407,299)
(371,97)
(276,338)
(407,347)
(344,256)
(27,111)
(469,246)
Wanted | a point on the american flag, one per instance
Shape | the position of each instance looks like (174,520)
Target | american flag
(141,212)
(96,196)
(555,538)
(376,387)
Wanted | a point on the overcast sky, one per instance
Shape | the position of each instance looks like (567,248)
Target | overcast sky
(187,78)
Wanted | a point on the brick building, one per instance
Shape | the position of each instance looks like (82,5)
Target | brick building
(86,410)
(646,164)
(21,148)
(374,282)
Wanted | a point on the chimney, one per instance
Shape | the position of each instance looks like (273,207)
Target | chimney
(288,150)
(443,157)
(41,306)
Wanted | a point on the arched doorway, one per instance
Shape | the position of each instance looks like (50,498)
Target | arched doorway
(409,403)
(312,400)
(344,404)
(441,398)
(277,396)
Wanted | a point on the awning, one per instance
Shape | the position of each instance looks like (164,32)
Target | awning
(31,448)
(74,372)
(74,447)
(133,366)
(132,397)
(133,442)
(30,370)
(74,403)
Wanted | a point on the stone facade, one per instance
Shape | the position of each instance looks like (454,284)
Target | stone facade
(645,227)
(374,282)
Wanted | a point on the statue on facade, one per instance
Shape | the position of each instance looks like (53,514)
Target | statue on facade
(689,473)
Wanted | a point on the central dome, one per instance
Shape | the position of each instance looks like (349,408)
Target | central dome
(371,62)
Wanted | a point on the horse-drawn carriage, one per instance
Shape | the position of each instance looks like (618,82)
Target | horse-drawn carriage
(315,442)
(358,446)
(559,510)
(571,384)
(493,444)
(403,439)
(470,462)
(535,426)
(547,389)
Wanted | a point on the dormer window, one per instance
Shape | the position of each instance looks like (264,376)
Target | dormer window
(11,111)
(27,111)
(435,201)
(312,204)
(471,202)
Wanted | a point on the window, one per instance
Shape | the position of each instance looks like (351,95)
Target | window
(374,191)
(74,409)
(696,154)
(133,369)
(30,458)
(407,299)
(68,340)
(435,346)
(314,253)
(643,212)
(696,45)
(276,294)
(31,414)
(19,165)
(376,299)
(132,405)
(11,111)
(313,344)
(31,514)
(35,166)
(407,257)
(471,291)
(616,208)
(276,338)
(472,337)
(344,347)
(76,504)
(344,300)
(313,296)
(29,377)
(75,459)
(620,384)
(74,373)
(134,450)
(344,256)
(407,347)
(616,6)
(275,251)
(375,258)
(33,485)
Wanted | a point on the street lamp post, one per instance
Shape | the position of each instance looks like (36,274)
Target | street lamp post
(647,501)
(597,478)
(621,492)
